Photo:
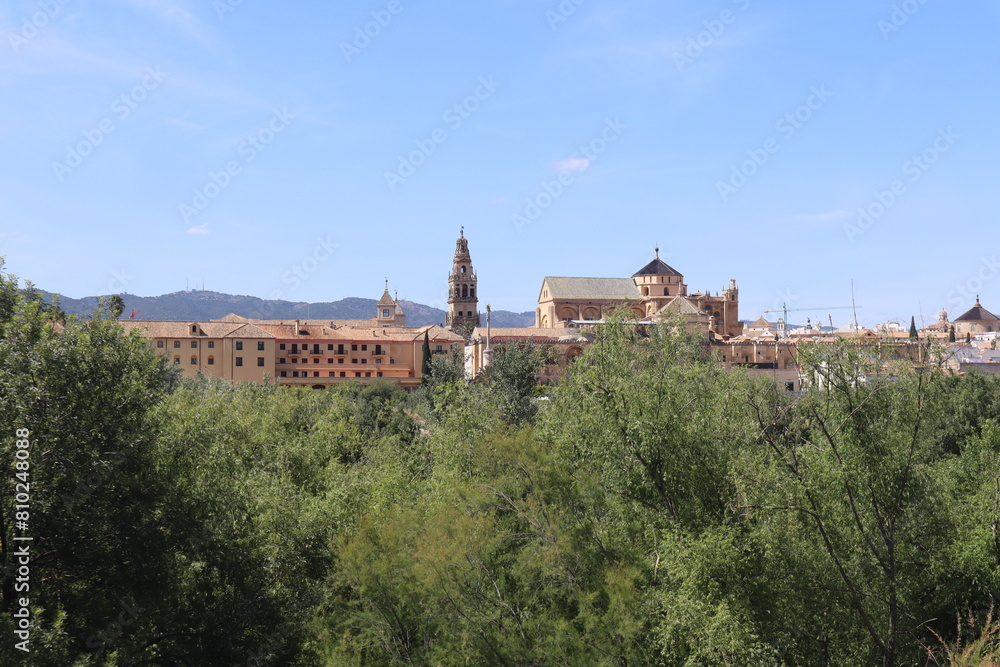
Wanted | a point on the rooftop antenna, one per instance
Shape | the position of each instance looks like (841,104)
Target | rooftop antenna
(854,303)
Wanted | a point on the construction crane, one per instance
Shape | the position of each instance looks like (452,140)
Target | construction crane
(785,310)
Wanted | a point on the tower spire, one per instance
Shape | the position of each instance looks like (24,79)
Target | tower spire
(463,302)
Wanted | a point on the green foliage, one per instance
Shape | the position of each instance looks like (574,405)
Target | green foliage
(655,509)
(425,351)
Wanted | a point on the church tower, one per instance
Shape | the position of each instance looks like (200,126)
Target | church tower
(389,312)
(463,304)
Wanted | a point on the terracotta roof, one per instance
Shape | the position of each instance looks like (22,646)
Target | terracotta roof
(657,268)
(174,329)
(386,300)
(591,288)
(760,323)
(499,333)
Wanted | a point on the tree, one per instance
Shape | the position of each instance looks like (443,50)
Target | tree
(425,364)
(849,495)
(951,334)
(511,379)
(913,328)
(116,306)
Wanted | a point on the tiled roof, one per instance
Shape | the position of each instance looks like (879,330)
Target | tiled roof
(977,314)
(386,300)
(500,333)
(173,329)
(680,304)
(591,288)
(657,268)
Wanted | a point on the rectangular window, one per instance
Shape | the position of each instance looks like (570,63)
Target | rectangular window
(295,374)
(281,347)
(260,345)
(239,345)
(281,361)
(439,348)
(329,347)
(364,361)
(368,375)
(332,374)
(378,361)
(315,374)
(260,361)
(340,361)
(194,344)
(354,361)
(364,348)
(343,374)
(239,361)
(211,344)
(385,312)
(177,344)
(159,343)
(284,374)
(354,348)
(211,361)
(379,374)
(357,374)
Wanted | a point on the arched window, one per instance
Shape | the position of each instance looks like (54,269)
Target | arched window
(472,292)
(463,270)
(194,328)
(465,291)
(194,361)
(177,360)
(666,291)
(211,361)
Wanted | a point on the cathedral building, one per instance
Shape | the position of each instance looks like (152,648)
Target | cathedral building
(654,292)
(463,304)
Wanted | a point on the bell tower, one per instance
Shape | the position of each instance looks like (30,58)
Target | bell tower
(463,304)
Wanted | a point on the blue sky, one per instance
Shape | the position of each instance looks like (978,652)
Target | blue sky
(309,150)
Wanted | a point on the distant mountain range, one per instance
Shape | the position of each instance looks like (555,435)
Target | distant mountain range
(200,305)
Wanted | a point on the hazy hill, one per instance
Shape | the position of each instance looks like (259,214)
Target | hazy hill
(205,305)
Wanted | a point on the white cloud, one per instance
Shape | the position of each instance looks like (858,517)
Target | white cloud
(200,230)
(572,164)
